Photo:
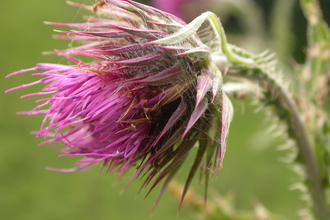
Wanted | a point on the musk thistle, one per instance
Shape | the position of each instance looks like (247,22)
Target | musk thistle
(151,92)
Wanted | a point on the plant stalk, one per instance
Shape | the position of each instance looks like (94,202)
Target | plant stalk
(284,101)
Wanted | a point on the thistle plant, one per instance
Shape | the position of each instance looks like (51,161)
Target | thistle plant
(153,90)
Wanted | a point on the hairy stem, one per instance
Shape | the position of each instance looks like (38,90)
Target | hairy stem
(318,35)
(304,143)
(260,69)
(288,110)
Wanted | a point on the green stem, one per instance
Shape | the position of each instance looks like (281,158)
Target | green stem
(257,68)
(306,150)
(285,103)
(318,35)
(281,29)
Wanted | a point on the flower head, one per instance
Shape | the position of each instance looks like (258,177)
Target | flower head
(141,102)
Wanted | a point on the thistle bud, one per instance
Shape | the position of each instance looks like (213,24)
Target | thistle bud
(142,102)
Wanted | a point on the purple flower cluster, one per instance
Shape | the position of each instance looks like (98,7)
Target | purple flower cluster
(136,103)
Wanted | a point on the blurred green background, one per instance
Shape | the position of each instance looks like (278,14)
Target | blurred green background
(252,170)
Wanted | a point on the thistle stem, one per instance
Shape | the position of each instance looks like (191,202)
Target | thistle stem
(306,149)
(257,69)
(293,119)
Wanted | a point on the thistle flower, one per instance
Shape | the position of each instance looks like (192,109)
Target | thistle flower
(142,101)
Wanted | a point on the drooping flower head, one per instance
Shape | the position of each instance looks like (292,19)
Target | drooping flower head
(150,93)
